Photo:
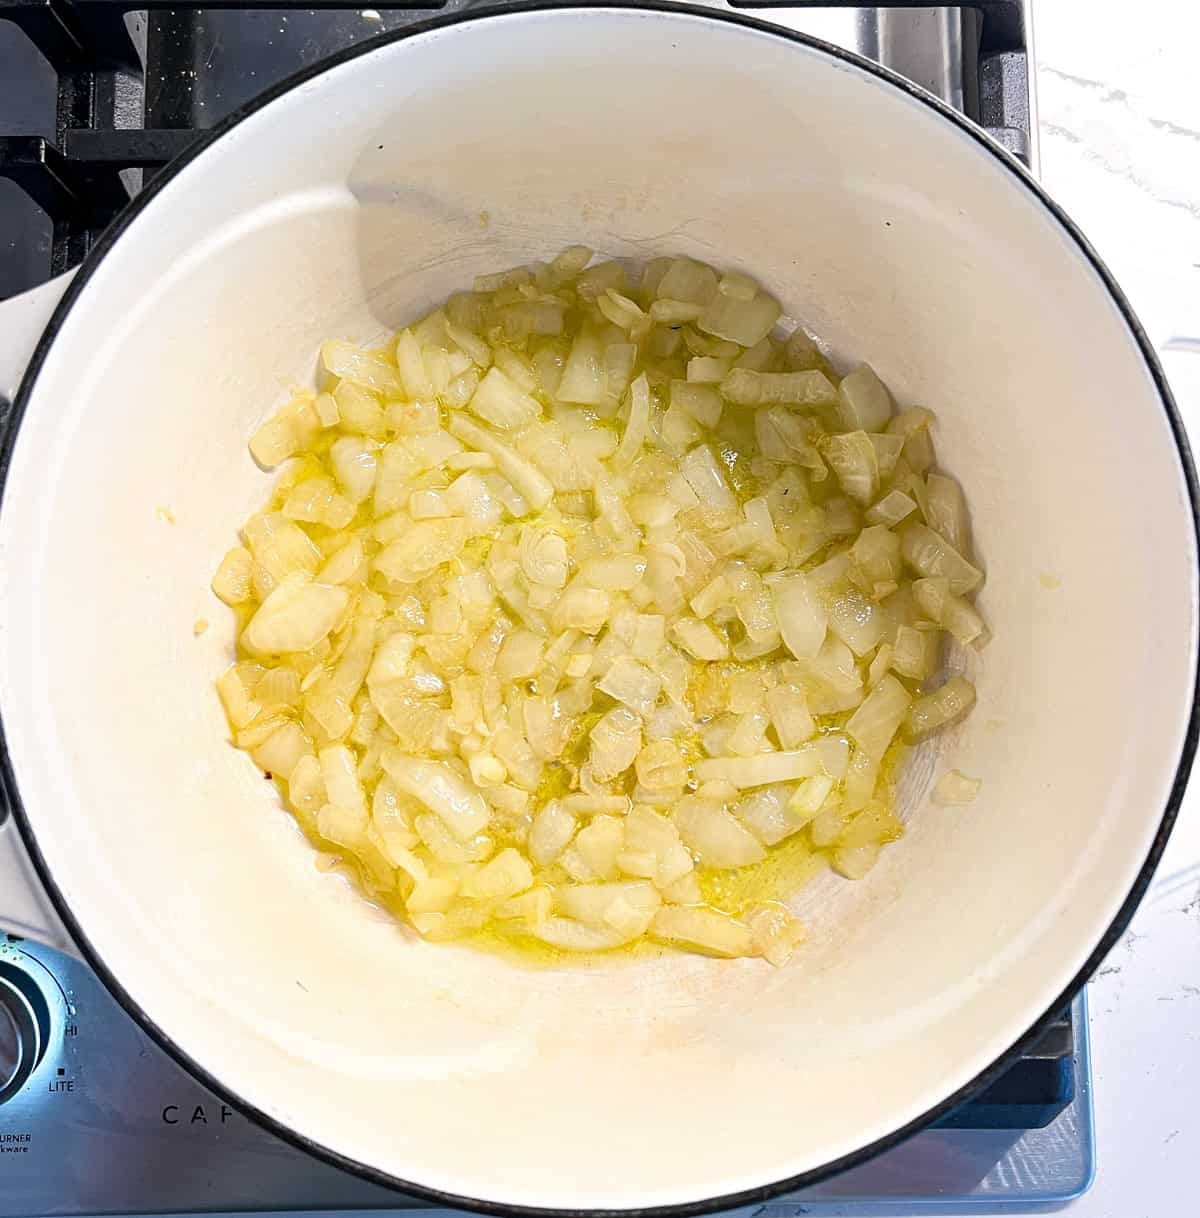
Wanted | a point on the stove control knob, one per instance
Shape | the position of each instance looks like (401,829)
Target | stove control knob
(24,1029)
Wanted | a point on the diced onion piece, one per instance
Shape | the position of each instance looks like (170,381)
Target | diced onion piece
(550,833)
(760,770)
(601,904)
(354,364)
(503,404)
(808,389)
(930,554)
(716,836)
(768,814)
(702,930)
(854,862)
(616,739)
(699,639)
(913,425)
(660,767)
(706,479)
(339,773)
(916,653)
(432,895)
(459,805)
(745,322)
(232,582)
(689,281)
(857,621)
(295,617)
(593,856)
(525,477)
(864,403)
(631,683)
(790,717)
(499,878)
(282,751)
(343,826)
(955,788)
(583,379)
(776,934)
(948,511)
(943,607)
(580,936)
(940,709)
(802,618)
(852,458)
(894,507)
(638,424)
(285,434)
(617,573)
(877,720)
(702,402)
(422,548)
(355,465)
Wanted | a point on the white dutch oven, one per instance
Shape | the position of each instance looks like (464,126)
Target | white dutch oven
(358,197)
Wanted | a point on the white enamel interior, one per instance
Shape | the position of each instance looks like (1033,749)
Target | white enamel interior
(353,203)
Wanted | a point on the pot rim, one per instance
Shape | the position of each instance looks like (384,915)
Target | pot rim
(1116,927)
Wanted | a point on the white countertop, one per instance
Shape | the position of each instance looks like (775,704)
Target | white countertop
(1119,103)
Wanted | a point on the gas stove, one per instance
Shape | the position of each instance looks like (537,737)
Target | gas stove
(95,97)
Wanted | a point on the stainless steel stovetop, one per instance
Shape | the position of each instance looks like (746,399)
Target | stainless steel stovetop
(96,95)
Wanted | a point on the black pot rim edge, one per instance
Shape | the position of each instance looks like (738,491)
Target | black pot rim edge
(1108,940)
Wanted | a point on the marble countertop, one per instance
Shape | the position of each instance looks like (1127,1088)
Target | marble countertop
(1119,108)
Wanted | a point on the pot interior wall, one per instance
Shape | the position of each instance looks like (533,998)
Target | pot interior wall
(354,203)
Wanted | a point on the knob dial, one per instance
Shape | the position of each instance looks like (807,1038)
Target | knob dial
(24,1029)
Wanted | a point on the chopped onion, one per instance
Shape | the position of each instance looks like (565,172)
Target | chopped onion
(702,930)
(931,555)
(955,788)
(716,836)
(632,684)
(499,402)
(940,709)
(760,770)
(295,617)
(558,617)
(802,618)
(806,389)
(852,458)
(864,403)
(449,796)
(877,720)
(744,322)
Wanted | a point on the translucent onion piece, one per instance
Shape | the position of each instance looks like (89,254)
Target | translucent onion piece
(803,619)
(955,788)
(808,389)
(877,720)
(295,617)
(744,322)
(932,555)
(461,808)
(940,709)
(864,403)
(760,770)
(702,930)
(499,402)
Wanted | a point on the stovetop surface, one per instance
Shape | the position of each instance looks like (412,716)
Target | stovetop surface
(108,1124)
(93,99)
